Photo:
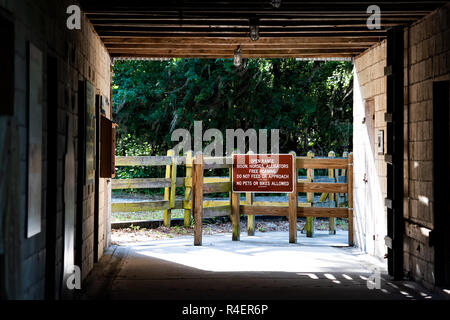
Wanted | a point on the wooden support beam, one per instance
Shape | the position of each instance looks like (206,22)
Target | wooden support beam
(230,56)
(215,187)
(235,25)
(222,211)
(225,52)
(197,198)
(243,41)
(322,212)
(350,199)
(245,48)
(249,199)
(265,211)
(143,161)
(142,206)
(313,212)
(235,216)
(293,203)
(207,204)
(138,183)
(309,227)
(169,193)
(321,163)
(332,196)
(188,189)
(322,187)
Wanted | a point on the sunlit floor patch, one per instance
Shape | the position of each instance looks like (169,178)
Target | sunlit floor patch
(265,266)
(263,253)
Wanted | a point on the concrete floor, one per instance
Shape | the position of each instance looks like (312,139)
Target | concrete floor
(265,266)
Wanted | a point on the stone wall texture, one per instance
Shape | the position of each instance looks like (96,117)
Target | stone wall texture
(426,59)
(80,55)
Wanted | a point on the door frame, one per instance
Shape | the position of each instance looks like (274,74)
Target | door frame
(52,179)
(440,237)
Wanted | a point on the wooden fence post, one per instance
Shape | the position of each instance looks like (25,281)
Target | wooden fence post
(235,216)
(350,199)
(344,172)
(293,204)
(188,190)
(197,198)
(249,198)
(309,227)
(169,193)
(332,196)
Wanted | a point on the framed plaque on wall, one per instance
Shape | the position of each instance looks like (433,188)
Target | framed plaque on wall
(89,132)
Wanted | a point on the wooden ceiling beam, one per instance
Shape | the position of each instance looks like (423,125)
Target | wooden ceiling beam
(360,21)
(123,16)
(203,37)
(253,7)
(202,28)
(226,52)
(216,56)
(368,40)
(118,46)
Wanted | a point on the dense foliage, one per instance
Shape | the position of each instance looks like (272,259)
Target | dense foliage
(310,102)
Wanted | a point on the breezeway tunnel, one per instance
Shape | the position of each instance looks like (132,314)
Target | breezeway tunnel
(56,123)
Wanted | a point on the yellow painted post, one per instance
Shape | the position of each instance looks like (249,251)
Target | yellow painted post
(293,204)
(344,173)
(169,193)
(310,198)
(188,190)
(332,196)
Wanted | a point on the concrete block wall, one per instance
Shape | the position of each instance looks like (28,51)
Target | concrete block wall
(80,56)
(427,59)
(369,211)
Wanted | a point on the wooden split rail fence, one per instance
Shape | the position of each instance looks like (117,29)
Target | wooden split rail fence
(195,185)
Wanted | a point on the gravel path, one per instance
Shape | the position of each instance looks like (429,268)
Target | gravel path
(136,234)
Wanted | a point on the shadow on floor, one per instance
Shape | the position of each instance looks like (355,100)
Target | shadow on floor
(261,267)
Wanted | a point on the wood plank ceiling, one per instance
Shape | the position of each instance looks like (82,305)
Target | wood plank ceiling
(214,29)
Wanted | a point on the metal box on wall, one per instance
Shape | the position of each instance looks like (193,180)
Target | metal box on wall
(107,148)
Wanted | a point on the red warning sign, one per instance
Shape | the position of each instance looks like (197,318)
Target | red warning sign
(262,173)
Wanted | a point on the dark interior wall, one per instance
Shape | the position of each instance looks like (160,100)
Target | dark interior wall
(6,110)
(441,175)
(427,60)
(70,56)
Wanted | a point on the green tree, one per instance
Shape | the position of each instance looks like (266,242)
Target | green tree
(310,102)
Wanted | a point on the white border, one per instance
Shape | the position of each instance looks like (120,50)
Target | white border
(263,154)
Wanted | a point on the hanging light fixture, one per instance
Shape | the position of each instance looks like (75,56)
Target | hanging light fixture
(254,31)
(237,59)
(276,3)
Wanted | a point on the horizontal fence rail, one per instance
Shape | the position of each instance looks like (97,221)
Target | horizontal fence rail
(336,187)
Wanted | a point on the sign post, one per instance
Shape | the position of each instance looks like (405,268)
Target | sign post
(264,173)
